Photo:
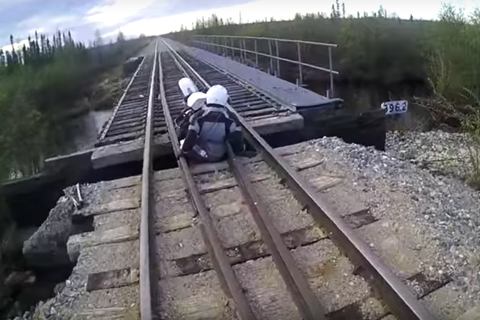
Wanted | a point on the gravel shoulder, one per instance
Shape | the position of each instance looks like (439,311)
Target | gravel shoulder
(434,215)
(438,152)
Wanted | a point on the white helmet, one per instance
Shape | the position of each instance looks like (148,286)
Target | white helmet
(196,100)
(217,95)
(187,86)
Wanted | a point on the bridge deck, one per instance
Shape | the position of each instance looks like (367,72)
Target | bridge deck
(285,91)
(265,122)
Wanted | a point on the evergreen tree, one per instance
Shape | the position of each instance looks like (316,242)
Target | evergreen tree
(98,42)
(121,37)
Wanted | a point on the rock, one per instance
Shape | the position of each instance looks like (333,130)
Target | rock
(17,278)
(59,287)
(53,311)
(472,314)
(46,248)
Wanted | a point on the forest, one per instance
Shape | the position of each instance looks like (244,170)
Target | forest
(40,84)
(378,48)
(434,64)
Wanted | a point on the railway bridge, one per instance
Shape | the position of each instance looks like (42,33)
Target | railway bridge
(277,236)
(269,104)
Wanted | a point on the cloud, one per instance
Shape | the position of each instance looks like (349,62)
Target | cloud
(17,46)
(115,12)
(82,18)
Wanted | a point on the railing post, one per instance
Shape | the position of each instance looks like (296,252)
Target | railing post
(278,61)
(241,49)
(271,55)
(300,69)
(256,52)
(232,49)
(225,47)
(245,52)
(332,91)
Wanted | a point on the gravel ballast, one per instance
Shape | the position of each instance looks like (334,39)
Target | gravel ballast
(439,152)
(442,211)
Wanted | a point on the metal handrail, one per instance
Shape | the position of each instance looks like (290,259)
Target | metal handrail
(232,48)
(333,45)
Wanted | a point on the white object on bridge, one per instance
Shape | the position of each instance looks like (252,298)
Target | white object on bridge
(395,107)
(217,95)
(187,86)
(181,143)
(196,100)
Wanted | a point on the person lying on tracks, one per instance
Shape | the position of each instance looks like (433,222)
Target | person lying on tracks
(195,102)
(211,128)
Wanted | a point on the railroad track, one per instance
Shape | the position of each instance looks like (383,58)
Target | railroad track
(270,254)
(248,101)
(128,120)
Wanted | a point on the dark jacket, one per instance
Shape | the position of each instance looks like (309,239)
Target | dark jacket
(208,131)
(182,122)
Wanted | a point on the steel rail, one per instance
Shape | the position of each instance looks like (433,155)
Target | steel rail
(114,113)
(145,284)
(217,253)
(302,295)
(398,297)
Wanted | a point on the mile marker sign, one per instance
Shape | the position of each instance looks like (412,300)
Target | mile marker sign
(395,107)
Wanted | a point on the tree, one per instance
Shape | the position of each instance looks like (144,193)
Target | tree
(343,10)
(98,42)
(382,13)
(120,37)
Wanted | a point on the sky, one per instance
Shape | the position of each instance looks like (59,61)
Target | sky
(153,17)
